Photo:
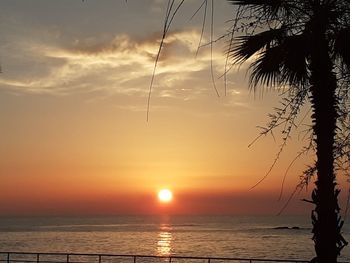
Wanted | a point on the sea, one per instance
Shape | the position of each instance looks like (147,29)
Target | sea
(265,237)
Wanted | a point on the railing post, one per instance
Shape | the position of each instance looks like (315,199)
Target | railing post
(67,258)
(169,259)
(8,257)
(37,257)
(134,259)
(99,258)
(208,260)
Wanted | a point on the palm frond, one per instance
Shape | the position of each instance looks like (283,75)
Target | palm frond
(270,7)
(285,63)
(258,3)
(267,68)
(295,67)
(341,46)
(247,46)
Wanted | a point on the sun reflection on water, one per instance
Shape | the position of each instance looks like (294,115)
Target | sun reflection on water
(164,240)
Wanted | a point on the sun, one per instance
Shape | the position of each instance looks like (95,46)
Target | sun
(165,195)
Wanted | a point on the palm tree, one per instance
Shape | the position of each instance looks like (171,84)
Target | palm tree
(305,45)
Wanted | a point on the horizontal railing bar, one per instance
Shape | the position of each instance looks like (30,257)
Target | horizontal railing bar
(41,261)
(33,261)
(98,256)
(230,259)
(28,261)
(148,256)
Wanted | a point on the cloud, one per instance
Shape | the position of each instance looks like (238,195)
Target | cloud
(116,65)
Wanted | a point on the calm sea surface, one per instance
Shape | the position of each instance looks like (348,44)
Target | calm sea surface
(239,236)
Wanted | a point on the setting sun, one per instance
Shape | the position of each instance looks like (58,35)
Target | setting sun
(165,195)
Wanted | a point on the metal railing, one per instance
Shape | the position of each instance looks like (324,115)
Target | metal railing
(30,257)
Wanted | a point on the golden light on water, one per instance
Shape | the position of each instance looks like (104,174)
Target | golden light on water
(164,240)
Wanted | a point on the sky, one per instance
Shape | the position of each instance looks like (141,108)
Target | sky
(73,103)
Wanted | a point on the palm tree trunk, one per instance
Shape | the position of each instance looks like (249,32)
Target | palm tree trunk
(325,217)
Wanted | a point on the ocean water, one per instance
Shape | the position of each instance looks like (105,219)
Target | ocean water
(276,237)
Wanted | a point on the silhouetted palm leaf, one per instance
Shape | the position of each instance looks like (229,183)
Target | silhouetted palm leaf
(267,68)
(269,7)
(281,59)
(342,46)
(295,68)
(247,46)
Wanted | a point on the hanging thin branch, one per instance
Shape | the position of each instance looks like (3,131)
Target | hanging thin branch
(211,48)
(166,28)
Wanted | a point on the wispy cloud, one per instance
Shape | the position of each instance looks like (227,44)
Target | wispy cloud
(116,68)
(120,64)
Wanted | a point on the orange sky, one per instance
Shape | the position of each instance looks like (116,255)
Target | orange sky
(75,140)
